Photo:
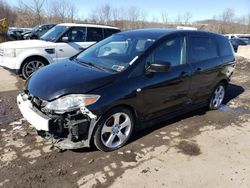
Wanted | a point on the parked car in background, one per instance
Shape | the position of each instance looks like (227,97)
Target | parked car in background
(114,87)
(230,36)
(236,42)
(37,31)
(16,33)
(60,42)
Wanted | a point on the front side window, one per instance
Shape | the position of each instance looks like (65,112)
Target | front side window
(172,51)
(94,34)
(75,34)
(202,48)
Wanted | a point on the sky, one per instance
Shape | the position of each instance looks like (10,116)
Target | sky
(200,9)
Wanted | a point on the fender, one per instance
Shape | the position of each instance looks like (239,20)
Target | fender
(34,52)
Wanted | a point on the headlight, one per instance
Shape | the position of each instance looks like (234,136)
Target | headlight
(71,102)
(9,52)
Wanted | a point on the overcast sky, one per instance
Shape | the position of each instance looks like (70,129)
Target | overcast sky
(200,9)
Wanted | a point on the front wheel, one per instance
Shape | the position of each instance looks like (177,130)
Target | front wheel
(217,96)
(30,66)
(114,130)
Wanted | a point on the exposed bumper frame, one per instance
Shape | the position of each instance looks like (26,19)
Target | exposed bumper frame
(31,113)
(67,144)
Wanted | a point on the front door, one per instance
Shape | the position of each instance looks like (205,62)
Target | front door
(72,42)
(167,91)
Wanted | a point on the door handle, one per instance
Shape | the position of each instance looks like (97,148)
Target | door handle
(184,74)
(61,50)
(198,71)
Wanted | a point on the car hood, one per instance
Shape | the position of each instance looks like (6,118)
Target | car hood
(22,44)
(66,77)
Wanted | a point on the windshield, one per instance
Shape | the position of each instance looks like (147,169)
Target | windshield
(246,40)
(241,41)
(35,28)
(53,33)
(116,52)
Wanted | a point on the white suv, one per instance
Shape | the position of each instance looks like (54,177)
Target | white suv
(61,42)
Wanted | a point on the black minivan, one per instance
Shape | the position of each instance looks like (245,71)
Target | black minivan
(104,93)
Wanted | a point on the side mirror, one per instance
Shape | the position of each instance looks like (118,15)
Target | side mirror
(65,39)
(159,67)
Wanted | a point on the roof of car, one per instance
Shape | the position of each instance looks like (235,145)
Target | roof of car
(157,33)
(88,25)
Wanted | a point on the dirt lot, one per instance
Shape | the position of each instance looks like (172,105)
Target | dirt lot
(199,149)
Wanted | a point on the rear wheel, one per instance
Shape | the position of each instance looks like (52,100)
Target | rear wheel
(114,130)
(217,96)
(32,65)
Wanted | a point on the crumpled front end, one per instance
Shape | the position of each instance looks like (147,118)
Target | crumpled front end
(70,130)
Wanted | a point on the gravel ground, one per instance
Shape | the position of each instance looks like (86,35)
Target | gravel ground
(199,149)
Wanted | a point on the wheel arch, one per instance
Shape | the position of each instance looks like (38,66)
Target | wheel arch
(129,107)
(225,82)
(32,57)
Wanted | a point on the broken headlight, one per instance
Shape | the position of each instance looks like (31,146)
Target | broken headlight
(71,102)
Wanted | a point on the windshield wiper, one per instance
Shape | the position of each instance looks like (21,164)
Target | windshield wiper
(91,65)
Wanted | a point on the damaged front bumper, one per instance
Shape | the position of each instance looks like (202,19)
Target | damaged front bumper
(67,131)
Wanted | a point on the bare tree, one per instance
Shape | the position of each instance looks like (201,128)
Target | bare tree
(36,8)
(187,17)
(228,15)
(248,29)
(164,17)
(61,11)
(7,12)
(178,19)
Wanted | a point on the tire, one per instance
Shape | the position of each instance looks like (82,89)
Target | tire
(31,65)
(33,37)
(114,129)
(217,96)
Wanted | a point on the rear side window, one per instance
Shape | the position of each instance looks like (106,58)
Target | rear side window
(109,32)
(94,34)
(225,47)
(202,48)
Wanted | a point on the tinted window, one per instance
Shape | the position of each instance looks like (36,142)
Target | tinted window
(50,26)
(172,51)
(54,33)
(225,47)
(202,48)
(94,34)
(109,32)
(76,34)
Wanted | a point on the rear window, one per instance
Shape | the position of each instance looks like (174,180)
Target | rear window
(202,48)
(94,34)
(109,32)
(225,47)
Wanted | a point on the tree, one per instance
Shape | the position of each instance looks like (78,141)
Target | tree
(7,12)
(36,8)
(248,29)
(59,11)
(187,17)
(164,17)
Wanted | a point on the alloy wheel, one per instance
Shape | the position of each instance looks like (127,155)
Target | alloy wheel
(116,130)
(218,96)
(33,66)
